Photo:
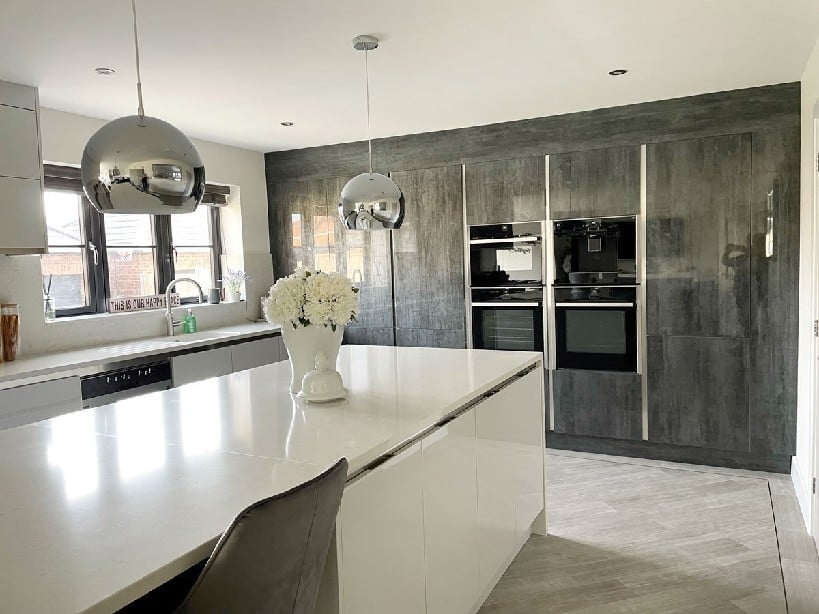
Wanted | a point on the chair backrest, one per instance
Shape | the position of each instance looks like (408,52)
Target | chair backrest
(272,556)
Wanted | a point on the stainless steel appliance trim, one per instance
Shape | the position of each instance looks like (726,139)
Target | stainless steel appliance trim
(594,304)
(523,286)
(597,217)
(467,264)
(550,327)
(508,304)
(642,329)
(570,286)
(529,239)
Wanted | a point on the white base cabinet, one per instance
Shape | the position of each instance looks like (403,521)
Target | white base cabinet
(380,532)
(451,516)
(197,366)
(432,529)
(256,353)
(510,442)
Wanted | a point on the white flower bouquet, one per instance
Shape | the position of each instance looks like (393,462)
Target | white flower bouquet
(312,298)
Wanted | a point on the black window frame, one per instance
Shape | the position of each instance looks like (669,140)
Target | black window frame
(66,178)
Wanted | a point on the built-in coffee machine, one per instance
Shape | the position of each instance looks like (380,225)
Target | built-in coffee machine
(595,251)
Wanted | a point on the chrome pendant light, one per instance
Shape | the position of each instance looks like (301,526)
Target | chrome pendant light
(141,164)
(370,201)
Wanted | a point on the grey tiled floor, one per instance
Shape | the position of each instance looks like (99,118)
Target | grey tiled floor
(635,536)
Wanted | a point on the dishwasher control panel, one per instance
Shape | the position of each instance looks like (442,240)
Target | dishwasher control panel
(119,381)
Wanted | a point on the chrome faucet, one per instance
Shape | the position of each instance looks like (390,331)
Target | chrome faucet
(172,324)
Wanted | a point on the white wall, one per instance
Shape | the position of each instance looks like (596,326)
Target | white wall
(802,468)
(246,245)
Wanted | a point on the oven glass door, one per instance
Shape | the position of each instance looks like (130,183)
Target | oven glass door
(508,327)
(509,263)
(596,337)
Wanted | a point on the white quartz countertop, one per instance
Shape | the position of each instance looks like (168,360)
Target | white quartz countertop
(101,505)
(26,368)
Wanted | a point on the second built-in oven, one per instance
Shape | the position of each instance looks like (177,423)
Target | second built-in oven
(507,319)
(596,328)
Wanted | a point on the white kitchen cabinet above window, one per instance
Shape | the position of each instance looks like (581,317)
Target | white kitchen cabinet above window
(21,172)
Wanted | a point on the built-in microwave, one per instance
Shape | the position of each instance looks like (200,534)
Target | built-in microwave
(506,255)
(596,328)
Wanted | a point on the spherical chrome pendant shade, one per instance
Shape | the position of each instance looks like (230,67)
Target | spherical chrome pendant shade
(142,165)
(371,201)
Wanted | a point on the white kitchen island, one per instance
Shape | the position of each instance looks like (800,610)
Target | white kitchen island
(446,481)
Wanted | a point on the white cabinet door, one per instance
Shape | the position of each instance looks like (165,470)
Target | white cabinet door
(381,531)
(35,402)
(451,517)
(510,429)
(201,365)
(283,355)
(17,95)
(19,143)
(256,353)
(21,201)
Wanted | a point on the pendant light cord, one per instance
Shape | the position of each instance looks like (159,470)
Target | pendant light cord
(367,81)
(141,109)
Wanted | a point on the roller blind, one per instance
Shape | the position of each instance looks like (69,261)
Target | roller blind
(59,177)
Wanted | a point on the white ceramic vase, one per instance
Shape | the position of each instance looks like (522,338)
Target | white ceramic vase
(232,296)
(303,343)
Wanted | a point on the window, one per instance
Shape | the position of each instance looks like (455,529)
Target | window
(94,257)
(195,255)
(66,263)
(130,251)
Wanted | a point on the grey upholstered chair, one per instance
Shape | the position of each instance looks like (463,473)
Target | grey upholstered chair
(271,558)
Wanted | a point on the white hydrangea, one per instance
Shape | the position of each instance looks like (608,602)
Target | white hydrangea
(312,298)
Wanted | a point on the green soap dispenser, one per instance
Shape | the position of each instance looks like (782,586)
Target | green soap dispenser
(189,323)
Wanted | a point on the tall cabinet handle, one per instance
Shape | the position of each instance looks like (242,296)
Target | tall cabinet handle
(769,226)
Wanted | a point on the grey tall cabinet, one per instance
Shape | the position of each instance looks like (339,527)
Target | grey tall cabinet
(304,214)
(411,280)
(710,280)
(428,258)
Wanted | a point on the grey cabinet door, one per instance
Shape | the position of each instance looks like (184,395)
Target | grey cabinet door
(595,183)
(774,292)
(428,259)
(598,404)
(304,233)
(698,391)
(506,191)
(698,237)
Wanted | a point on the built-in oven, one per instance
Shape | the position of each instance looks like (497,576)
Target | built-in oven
(509,318)
(506,254)
(596,328)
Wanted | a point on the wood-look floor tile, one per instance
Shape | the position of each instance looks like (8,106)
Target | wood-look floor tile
(646,537)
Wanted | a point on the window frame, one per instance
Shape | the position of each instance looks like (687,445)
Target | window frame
(215,249)
(95,256)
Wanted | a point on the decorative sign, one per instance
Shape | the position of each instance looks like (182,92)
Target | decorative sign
(140,303)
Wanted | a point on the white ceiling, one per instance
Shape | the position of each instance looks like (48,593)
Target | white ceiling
(230,70)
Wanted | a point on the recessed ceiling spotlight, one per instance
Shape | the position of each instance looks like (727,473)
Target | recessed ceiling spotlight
(287,124)
(103,70)
(617,72)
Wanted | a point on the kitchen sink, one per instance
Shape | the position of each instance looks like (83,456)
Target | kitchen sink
(200,336)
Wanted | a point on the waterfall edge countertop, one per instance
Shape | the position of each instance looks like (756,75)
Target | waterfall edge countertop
(26,368)
(101,505)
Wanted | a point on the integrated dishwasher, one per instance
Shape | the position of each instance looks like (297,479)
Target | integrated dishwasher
(125,382)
